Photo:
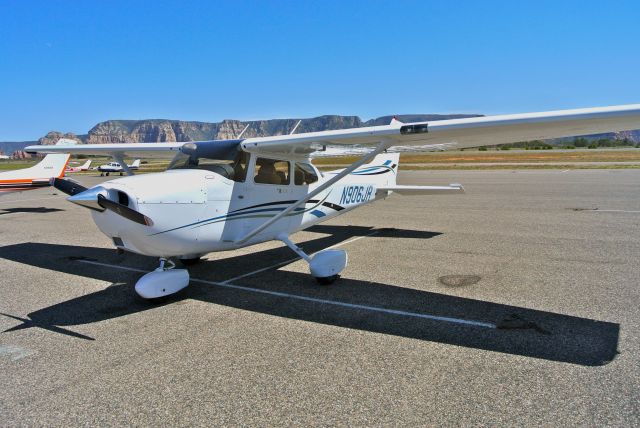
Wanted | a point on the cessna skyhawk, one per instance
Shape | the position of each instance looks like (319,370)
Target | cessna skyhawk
(228,194)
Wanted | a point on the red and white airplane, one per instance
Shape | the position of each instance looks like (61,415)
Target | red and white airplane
(84,167)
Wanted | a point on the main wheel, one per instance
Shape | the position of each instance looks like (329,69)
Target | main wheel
(327,280)
(107,174)
(191,262)
(120,174)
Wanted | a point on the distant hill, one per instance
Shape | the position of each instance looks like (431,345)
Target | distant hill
(158,130)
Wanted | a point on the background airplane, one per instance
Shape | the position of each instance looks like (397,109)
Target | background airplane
(39,175)
(84,167)
(112,167)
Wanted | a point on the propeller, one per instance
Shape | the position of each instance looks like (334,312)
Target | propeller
(124,211)
(67,186)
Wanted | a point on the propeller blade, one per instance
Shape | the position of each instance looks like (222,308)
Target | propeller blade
(124,211)
(67,186)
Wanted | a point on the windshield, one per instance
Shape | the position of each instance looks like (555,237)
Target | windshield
(235,169)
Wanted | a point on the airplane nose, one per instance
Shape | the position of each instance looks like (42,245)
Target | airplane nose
(89,198)
(98,199)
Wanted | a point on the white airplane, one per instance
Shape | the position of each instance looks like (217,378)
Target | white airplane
(84,167)
(120,167)
(228,194)
(39,175)
(4,157)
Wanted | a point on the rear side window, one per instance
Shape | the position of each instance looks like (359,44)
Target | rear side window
(304,174)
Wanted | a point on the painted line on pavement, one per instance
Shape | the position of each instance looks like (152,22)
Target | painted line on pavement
(316,300)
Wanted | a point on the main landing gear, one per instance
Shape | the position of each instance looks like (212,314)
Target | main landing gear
(325,266)
(163,281)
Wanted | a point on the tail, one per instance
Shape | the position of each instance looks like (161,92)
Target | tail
(383,169)
(86,165)
(135,164)
(53,165)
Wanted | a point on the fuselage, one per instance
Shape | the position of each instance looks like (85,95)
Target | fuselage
(196,211)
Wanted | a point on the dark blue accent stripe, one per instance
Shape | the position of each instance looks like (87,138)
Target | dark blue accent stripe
(243,211)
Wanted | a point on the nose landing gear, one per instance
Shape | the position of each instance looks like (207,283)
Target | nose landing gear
(163,281)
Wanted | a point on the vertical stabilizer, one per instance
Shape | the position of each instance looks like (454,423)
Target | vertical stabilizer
(382,169)
(53,165)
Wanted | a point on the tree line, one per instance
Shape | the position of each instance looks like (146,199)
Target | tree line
(577,143)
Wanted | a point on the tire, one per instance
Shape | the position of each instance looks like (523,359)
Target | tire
(107,174)
(191,262)
(327,280)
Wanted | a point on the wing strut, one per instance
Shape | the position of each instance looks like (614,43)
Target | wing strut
(366,158)
(120,159)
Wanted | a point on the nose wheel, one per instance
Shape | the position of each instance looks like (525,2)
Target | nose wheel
(163,281)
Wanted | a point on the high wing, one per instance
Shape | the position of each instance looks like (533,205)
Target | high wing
(455,133)
(422,136)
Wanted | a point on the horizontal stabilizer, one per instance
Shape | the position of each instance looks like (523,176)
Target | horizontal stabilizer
(424,190)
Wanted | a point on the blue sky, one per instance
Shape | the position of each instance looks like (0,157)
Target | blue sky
(66,65)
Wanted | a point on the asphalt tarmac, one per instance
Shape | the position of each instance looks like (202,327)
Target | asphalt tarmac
(515,304)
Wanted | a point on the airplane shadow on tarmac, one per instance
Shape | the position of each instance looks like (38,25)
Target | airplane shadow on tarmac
(519,331)
(39,210)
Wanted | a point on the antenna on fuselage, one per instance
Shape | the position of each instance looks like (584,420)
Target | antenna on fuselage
(295,127)
(245,128)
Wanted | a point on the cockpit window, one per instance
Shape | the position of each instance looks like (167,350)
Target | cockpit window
(235,169)
(304,174)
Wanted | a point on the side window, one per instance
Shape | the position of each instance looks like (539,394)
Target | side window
(304,174)
(271,171)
